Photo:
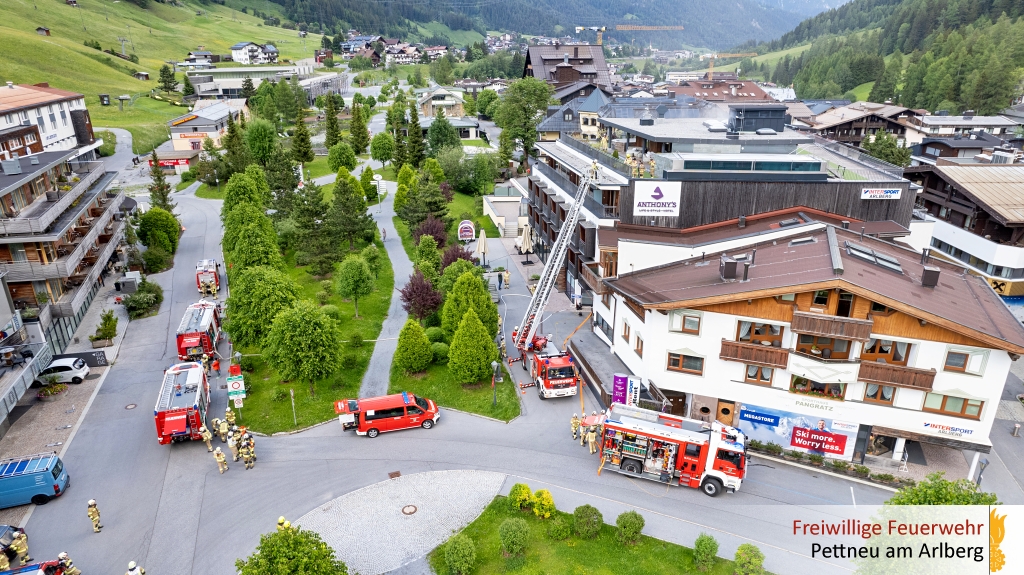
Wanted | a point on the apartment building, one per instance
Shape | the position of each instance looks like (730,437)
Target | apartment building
(248,53)
(945,126)
(828,341)
(60,117)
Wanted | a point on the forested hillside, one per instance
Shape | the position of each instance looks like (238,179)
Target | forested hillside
(941,54)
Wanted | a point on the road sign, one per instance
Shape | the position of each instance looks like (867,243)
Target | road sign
(236,387)
(238,403)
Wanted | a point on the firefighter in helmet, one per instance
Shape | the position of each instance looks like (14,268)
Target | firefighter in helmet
(280,523)
(233,444)
(207,437)
(250,442)
(205,360)
(94,515)
(230,416)
(134,569)
(5,563)
(20,548)
(222,431)
(247,456)
(222,462)
(592,438)
(575,424)
(68,565)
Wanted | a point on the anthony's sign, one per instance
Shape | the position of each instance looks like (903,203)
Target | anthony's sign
(656,198)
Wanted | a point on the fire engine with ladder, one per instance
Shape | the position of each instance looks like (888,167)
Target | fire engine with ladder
(672,449)
(182,405)
(199,331)
(207,276)
(552,370)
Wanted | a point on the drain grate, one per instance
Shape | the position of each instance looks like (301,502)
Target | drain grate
(409,509)
(130,406)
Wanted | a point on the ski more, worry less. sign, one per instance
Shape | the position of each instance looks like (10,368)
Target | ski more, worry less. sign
(657,198)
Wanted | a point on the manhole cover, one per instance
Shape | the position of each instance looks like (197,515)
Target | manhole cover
(130,406)
(409,509)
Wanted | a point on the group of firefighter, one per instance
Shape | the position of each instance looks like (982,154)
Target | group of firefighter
(588,434)
(239,440)
(208,289)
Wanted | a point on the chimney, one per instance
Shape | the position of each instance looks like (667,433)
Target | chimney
(727,268)
(753,255)
(846,224)
(576,52)
(734,89)
(930,276)
(862,228)
(925,256)
(743,221)
(746,270)
(10,85)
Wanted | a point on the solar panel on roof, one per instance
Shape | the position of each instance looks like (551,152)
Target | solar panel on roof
(888,262)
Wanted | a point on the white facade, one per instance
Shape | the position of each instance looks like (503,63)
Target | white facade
(919,128)
(54,121)
(248,53)
(991,254)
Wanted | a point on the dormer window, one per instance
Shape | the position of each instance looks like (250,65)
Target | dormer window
(568,117)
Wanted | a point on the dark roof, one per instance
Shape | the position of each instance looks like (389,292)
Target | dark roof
(545,58)
(570,89)
(241,45)
(977,139)
(594,101)
(556,122)
(962,303)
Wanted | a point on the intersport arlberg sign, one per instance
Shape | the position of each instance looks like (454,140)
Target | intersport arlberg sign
(656,198)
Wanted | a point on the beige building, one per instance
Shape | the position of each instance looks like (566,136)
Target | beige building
(430,100)
(189,131)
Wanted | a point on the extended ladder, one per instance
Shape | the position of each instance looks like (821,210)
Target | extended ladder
(528,327)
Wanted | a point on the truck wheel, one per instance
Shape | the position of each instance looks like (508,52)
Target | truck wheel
(40,499)
(524,365)
(372,432)
(540,393)
(712,487)
(632,466)
(427,424)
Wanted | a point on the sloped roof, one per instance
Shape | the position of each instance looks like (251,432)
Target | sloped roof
(998,187)
(855,111)
(571,89)
(544,58)
(21,96)
(594,101)
(241,45)
(556,122)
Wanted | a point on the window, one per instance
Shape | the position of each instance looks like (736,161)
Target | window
(821,297)
(603,325)
(30,139)
(878,308)
(686,363)
(886,351)
(606,299)
(684,321)
(787,297)
(639,347)
(966,361)
(413,410)
(950,405)
(879,393)
(805,386)
(760,333)
(823,347)
(64,117)
(625,331)
(758,374)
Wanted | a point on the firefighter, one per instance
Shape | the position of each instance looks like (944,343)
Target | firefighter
(222,463)
(247,456)
(94,514)
(216,365)
(230,416)
(222,431)
(5,563)
(249,441)
(575,424)
(592,438)
(134,569)
(205,360)
(20,548)
(508,279)
(216,426)
(68,565)
(280,523)
(233,446)
(207,437)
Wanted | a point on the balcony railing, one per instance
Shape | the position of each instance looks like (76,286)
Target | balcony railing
(38,217)
(600,210)
(896,375)
(832,326)
(589,275)
(70,302)
(14,384)
(754,353)
(607,160)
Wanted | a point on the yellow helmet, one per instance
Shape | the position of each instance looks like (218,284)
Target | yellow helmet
(287,524)
(280,520)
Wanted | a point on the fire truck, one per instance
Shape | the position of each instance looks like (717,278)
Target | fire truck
(672,449)
(182,404)
(208,272)
(199,331)
(44,568)
(553,372)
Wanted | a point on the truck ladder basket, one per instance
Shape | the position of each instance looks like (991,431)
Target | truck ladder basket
(528,327)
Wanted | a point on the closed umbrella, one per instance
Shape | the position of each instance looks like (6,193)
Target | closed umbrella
(527,246)
(481,247)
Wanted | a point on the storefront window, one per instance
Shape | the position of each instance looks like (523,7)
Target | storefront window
(760,333)
(806,386)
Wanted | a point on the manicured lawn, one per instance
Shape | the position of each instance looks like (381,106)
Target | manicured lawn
(461,204)
(388,172)
(182,185)
(476,143)
(436,384)
(210,192)
(109,143)
(318,168)
(406,235)
(863,90)
(603,555)
(267,404)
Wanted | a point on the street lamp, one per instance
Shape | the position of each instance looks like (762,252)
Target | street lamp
(494,390)
(216,180)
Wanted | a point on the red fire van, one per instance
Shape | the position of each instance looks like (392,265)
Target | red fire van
(374,415)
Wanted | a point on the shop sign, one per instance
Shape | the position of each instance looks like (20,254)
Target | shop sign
(620,388)
(880,193)
(172,163)
(466,231)
(815,440)
(184,119)
(657,198)
(948,430)
(805,433)
(634,391)
(762,418)
(193,135)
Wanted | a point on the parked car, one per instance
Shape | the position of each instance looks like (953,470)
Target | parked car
(65,370)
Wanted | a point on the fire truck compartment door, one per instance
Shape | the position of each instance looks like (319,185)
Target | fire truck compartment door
(347,418)
(174,424)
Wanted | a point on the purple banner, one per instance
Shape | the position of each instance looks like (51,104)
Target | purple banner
(620,388)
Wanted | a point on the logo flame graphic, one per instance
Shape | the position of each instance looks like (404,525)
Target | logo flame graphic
(657,193)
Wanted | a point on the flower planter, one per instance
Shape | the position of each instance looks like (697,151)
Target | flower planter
(98,343)
(51,398)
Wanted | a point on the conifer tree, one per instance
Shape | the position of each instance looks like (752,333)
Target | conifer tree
(472,350)
(413,352)
(414,145)
(347,218)
(186,87)
(248,89)
(159,190)
(468,292)
(302,148)
(333,132)
(359,136)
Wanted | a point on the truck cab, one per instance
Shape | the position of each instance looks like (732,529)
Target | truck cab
(552,371)
(32,479)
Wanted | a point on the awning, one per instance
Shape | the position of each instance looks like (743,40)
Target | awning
(174,425)
(190,341)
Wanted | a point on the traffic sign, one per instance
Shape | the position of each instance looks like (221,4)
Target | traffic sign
(236,387)
(238,403)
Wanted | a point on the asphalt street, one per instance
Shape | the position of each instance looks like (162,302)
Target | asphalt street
(166,506)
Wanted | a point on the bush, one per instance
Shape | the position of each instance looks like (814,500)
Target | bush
(560,529)
(435,334)
(439,350)
(861,470)
(327,286)
(249,364)
(749,560)
(460,554)
(514,533)
(413,353)
(543,504)
(816,459)
(155,259)
(356,340)
(349,361)
(303,259)
(839,464)
(323,297)
(705,549)
(107,328)
(519,496)
(138,304)
(884,477)
(188,176)
(795,455)
(158,226)
(332,312)
(279,395)
(773,448)
(755,444)
(630,524)
(587,521)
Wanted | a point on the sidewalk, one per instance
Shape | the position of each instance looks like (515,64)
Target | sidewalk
(48,426)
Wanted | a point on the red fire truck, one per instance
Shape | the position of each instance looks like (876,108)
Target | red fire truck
(199,331)
(183,402)
(552,371)
(672,449)
(208,271)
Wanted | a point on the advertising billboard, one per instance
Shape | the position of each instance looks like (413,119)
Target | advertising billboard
(467,231)
(657,198)
(880,193)
(798,432)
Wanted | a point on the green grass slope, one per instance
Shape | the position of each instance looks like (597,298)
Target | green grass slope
(159,33)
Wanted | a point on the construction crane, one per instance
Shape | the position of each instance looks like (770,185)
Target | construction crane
(711,57)
(625,28)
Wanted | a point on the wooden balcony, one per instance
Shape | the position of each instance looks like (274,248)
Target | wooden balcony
(753,353)
(896,375)
(589,275)
(831,326)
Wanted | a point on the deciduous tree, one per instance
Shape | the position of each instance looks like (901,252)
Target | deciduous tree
(303,343)
(419,298)
(260,136)
(341,155)
(284,98)
(373,258)
(522,108)
(453,272)
(355,280)
(885,148)
(258,294)
(472,350)
(294,551)
(435,228)
(382,147)
(239,218)
(256,247)
(241,189)
(367,184)
(159,227)
(937,490)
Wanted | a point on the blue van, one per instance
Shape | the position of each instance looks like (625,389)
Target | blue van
(32,479)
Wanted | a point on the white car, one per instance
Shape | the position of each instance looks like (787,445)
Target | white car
(65,370)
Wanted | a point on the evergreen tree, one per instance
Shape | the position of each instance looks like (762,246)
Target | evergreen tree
(442,134)
(186,87)
(167,82)
(472,350)
(427,200)
(159,190)
(367,183)
(468,293)
(400,156)
(414,147)
(248,90)
(347,218)
(261,138)
(309,212)
(332,131)
(359,135)
(885,87)
(281,179)
(885,148)
(413,352)
(302,148)
(284,99)
(301,98)
(236,153)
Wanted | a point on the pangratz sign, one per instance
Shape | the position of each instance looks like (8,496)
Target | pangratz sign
(880,193)
(656,198)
